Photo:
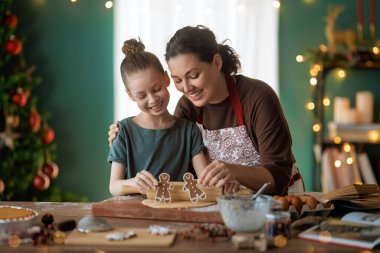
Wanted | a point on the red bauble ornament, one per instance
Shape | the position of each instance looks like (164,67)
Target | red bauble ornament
(41,182)
(48,135)
(34,120)
(13,46)
(2,186)
(50,169)
(11,20)
(20,99)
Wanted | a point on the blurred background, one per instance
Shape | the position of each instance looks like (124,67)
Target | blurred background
(76,48)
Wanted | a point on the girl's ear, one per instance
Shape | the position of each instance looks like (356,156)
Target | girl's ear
(217,61)
(130,95)
(167,79)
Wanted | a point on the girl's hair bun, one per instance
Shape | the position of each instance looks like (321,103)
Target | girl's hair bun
(132,46)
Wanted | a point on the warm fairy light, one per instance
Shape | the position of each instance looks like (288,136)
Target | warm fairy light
(374,136)
(276,4)
(300,58)
(308,1)
(337,140)
(108,4)
(313,72)
(59,237)
(337,163)
(310,106)
(280,241)
(326,101)
(313,81)
(341,73)
(317,67)
(349,160)
(324,237)
(316,127)
(73,1)
(323,48)
(375,50)
(347,147)
(14,241)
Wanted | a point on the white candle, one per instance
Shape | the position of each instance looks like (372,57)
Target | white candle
(364,106)
(349,116)
(341,104)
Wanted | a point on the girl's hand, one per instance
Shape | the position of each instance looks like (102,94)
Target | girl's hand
(144,181)
(231,187)
(216,174)
(112,133)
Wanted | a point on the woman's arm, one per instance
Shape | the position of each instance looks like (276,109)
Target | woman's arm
(144,180)
(219,173)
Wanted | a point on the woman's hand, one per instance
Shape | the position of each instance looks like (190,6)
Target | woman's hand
(217,173)
(144,181)
(112,133)
(231,187)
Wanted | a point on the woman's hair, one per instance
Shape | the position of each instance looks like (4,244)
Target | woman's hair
(137,59)
(201,42)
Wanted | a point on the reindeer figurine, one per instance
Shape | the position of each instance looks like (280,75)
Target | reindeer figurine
(335,37)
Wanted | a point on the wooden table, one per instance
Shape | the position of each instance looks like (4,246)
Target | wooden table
(65,210)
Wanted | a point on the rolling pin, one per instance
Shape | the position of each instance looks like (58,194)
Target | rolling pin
(177,194)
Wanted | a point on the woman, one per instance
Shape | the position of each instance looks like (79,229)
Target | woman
(242,123)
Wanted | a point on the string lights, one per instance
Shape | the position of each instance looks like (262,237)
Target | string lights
(108,3)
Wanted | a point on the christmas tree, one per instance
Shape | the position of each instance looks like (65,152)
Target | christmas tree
(27,146)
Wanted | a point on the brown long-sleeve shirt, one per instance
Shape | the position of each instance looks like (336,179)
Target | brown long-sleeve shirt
(265,122)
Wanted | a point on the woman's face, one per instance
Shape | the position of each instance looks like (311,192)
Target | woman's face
(198,80)
(148,88)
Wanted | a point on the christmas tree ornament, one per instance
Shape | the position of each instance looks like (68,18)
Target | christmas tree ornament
(20,99)
(2,186)
(48,135)
(50,169)
(13,46)
(10,20)
(13,121)
(41,182)
(34,120)
(8,137)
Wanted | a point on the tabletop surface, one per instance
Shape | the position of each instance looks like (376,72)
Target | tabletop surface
(71,210)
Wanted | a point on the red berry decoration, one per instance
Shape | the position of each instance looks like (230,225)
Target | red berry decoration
(41,182)
(48,135)
(2,186)
(13,46)
(34,120)
(50,169)
(11,20)
(47,219)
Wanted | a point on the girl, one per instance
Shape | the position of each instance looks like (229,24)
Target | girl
(154,141)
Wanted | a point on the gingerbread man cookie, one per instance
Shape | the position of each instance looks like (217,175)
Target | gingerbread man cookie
(195,192)
(163,189)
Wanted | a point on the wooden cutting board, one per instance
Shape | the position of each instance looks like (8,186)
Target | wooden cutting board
(143,238)
(132,208)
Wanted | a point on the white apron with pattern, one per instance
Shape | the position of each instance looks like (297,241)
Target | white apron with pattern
(233,145)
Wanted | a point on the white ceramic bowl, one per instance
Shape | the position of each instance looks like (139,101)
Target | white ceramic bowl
(242,214)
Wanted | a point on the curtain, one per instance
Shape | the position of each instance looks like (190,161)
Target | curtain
(251,27)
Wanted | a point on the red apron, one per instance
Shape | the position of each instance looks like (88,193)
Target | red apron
(233,145)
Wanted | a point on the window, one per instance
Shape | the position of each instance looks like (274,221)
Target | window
(250,25)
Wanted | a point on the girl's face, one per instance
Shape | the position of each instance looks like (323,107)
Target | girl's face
(148,88)
(198,80)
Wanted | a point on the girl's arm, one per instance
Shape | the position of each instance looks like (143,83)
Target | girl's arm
(144,180)
(199,163)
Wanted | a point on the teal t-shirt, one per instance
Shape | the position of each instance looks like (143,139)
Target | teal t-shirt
(156,150)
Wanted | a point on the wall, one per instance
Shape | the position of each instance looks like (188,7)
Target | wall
(72,46)
(302,27)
